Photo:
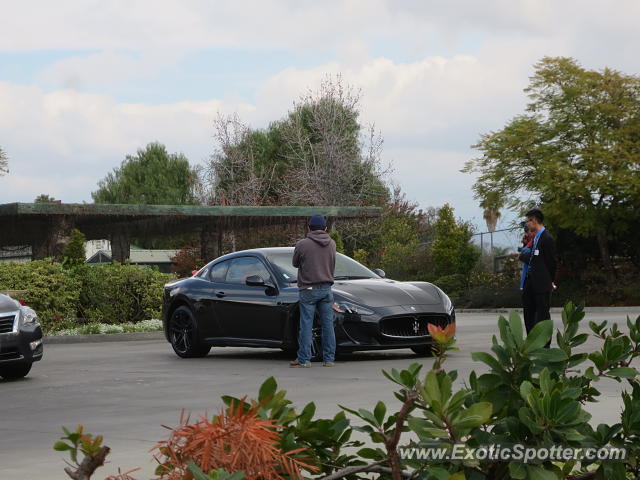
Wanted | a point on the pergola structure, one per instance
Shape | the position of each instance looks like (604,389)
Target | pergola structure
(47,226)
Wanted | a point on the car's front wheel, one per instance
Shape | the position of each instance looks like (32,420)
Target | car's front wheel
(183,335)
(15,371)
(424,350)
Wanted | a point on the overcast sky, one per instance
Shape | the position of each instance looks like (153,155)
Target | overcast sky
(84,83)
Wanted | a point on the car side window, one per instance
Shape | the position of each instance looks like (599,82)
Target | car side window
(219,271)
(244,267)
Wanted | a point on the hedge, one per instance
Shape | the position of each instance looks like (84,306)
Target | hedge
(111,294)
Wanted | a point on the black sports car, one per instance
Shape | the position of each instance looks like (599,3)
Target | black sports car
(250,299)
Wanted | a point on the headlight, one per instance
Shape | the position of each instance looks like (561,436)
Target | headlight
(446,301)
(28,315)
(351,308)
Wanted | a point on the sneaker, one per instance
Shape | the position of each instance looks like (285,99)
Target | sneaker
(296,364)
(328,364)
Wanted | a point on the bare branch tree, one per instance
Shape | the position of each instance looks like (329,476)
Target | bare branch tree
(231,178)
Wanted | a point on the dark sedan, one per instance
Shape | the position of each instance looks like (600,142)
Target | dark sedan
(20,338)
(250,299)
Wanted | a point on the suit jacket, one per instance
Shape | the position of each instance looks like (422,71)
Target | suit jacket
(542,267)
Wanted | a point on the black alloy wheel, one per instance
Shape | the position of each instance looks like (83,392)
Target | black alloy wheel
(15,371)
(316,342)
(183,335)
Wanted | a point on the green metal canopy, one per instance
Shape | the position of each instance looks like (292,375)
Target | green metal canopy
(46,226)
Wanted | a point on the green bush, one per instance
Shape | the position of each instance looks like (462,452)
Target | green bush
(453,285)
(66,297)
(524,395)
(337,237)
(50,290)
(74,253)
(117,293)
(362,256)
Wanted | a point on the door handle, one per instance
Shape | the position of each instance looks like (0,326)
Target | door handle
(220,294)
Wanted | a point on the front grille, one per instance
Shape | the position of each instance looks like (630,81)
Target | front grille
(411,325)
(6,322)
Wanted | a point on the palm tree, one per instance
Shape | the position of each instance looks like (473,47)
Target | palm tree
(491,204)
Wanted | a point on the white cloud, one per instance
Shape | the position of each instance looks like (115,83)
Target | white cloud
(105,68)
(415,25)
(73,139)
(450,71)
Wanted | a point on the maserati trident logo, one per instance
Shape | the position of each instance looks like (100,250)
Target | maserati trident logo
(416,327)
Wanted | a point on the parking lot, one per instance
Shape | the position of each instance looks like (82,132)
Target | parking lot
(126,391)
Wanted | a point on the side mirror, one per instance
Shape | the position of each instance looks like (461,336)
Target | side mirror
(255,281)
(380,272)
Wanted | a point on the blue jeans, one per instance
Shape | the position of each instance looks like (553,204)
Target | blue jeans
(319,297)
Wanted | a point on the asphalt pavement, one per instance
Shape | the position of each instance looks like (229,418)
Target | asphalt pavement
(127,390)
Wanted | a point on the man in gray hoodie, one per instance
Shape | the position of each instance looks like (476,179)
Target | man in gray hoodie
(315,259)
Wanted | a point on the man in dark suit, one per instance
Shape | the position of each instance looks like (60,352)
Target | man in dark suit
(541,272)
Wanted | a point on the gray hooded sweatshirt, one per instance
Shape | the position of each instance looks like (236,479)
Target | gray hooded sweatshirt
(315,259)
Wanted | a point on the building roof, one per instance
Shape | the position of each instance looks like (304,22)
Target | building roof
(23,223)
(7,253)
(138,255)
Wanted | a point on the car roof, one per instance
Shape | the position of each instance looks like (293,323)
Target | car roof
(263,252)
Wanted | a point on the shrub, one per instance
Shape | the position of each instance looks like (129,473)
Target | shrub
(186,261)
(452,285)
(528,395)
(337,237)
(74,253)
(117,293)
(50,290)
(361,256)
(111,294)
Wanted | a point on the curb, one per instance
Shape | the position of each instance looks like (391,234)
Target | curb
(553,310)
(103,337)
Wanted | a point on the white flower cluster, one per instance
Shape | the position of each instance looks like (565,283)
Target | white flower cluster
(151,325)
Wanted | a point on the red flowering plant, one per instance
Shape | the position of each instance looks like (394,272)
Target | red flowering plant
(186,262)
(445,339)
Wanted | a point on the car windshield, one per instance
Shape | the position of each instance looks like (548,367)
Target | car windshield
(346,268)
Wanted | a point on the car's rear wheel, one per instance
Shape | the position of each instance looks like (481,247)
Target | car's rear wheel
(424,350)
(15,371)
(316,342)
(183,335)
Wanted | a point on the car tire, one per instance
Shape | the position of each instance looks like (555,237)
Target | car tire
(16,371)
(424,350)
(183,334)
(316,342)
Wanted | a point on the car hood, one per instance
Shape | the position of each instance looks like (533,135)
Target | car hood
(8,304)
(387,293)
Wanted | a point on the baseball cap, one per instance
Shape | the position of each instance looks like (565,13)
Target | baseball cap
(317,221)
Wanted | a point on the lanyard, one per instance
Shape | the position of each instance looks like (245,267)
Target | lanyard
(535,244)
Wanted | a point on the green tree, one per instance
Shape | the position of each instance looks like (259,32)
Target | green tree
(575,151)
(452,251)
(319,154)
(337,237)
(151,177)
(4,163)
(44,198)
(74,252)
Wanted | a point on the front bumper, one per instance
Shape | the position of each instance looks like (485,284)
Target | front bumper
(22,345)
(391,329)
